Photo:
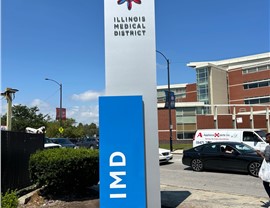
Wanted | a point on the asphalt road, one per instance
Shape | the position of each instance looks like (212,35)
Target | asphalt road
(178,175)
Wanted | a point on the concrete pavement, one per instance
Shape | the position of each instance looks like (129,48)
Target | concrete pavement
(174,197)
(178,197)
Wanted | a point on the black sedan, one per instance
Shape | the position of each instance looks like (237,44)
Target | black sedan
(88,142)
(228,156)
(64,142)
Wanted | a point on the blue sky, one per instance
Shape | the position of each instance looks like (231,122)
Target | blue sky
(64,40)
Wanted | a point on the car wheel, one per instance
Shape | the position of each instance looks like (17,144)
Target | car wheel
(196,165)
(254,168)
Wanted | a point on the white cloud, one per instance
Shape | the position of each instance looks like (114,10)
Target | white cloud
(40,104)
(84,114)
(44,107)
(87,96)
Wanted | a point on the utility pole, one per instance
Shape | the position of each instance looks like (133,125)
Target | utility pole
(60,87)
(9,94)
(169,99)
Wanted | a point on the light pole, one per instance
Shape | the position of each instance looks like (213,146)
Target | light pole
(9,94)
(60,85)
(169,98)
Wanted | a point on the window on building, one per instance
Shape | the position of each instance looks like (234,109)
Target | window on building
(202,85)
(203,110)
(256,69)
(262,83)
(185,135)
(186,115)
(260,100)
(180,93)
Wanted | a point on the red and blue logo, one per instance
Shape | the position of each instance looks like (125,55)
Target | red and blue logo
(129,2)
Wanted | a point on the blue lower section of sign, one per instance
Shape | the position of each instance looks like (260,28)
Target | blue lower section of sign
(122,152)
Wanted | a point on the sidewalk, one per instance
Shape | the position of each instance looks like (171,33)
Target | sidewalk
(177,197)
(171,197)
(178,151)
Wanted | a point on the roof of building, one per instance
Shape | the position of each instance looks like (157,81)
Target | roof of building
(172,86)
(183,104)
(232,63)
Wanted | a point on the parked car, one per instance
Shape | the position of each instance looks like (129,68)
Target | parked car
(164,155)
(64,142)
(48,144)
(228,156)
(89,142)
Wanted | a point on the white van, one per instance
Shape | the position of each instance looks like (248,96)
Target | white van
(252,137)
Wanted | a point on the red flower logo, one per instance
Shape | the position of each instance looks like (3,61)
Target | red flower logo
(129,2)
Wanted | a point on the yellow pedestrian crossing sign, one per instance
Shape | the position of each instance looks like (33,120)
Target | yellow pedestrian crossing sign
(61,130)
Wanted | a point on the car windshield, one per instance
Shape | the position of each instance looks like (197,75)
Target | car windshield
(262,134)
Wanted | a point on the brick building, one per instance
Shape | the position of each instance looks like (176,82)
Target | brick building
(231,93)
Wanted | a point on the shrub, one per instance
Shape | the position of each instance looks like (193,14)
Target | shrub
(9,199)
(63,170)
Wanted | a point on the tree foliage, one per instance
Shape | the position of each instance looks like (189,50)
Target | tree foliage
(23,116)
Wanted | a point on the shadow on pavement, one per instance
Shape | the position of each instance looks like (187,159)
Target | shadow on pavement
(172,199)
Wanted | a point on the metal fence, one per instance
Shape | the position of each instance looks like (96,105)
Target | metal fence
(16,148)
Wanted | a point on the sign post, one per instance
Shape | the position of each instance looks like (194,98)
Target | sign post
(130,61)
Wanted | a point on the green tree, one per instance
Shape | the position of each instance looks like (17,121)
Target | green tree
(91,130)
(70,130)
(23,116)
(52,129)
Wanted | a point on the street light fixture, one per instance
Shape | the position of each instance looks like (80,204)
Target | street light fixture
(60,85)
(9,94)
(169,99)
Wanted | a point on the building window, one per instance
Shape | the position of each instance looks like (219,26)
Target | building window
(260,100)
(160,96)
(203,110)
(256,69)
(185,135)
(202,85)
(178,92)
(257,84)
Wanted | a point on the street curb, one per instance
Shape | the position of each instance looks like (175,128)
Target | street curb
(178,152)
(25,198)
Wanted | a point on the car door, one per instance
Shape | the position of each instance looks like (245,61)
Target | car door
(210,156)
(230,160)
